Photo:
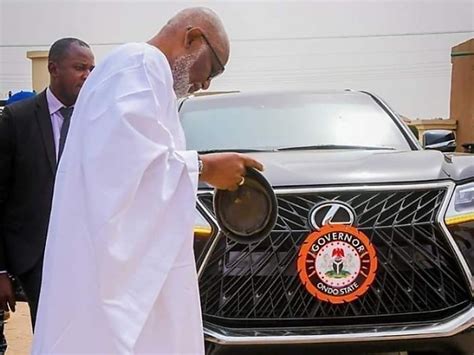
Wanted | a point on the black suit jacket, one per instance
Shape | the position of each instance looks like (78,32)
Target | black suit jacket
(27,171)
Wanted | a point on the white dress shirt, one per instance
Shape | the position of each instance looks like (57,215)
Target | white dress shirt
(54,105)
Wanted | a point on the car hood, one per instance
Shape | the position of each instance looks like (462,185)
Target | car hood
(330,167)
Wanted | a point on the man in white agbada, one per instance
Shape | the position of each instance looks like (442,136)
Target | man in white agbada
(119,275)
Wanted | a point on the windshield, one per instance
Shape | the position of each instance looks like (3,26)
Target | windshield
(279,121)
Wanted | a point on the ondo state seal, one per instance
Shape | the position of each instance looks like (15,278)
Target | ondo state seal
(337,264)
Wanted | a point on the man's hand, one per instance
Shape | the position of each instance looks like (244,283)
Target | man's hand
(225,171)
(7,296)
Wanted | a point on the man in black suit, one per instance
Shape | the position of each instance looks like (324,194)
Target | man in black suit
(32,136)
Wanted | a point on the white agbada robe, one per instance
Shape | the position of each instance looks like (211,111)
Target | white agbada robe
(119,275)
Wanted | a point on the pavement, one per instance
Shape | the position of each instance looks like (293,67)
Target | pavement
(18,331)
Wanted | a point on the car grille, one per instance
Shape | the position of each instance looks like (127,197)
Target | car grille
(418,276)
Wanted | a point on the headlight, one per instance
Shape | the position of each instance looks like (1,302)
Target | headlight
(202,227)
(460,221)
(203,232)
(461,207)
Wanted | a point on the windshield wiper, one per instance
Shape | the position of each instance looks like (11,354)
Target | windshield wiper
(235,150)
(335,146)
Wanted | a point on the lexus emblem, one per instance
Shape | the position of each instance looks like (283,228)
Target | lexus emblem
(331,213)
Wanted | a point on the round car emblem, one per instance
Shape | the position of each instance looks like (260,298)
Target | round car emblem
(337,264)
(331,213)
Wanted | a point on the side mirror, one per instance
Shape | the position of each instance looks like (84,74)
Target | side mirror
(439,139)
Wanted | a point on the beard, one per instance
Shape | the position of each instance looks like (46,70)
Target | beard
(180,70)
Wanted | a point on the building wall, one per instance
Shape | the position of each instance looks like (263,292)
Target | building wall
(39,72)
(276,44)
(462,91)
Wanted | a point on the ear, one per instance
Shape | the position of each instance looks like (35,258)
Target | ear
(192,34)
(52,68)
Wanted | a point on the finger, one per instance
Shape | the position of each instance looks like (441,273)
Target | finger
(4,306)
(233,187)
(12,303)
(252,163)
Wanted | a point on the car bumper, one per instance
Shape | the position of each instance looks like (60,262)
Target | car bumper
(453,336)
(459,344)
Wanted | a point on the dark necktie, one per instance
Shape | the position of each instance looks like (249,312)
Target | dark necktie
(66,112)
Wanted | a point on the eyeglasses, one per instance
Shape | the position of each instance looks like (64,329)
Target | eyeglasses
(219,71)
